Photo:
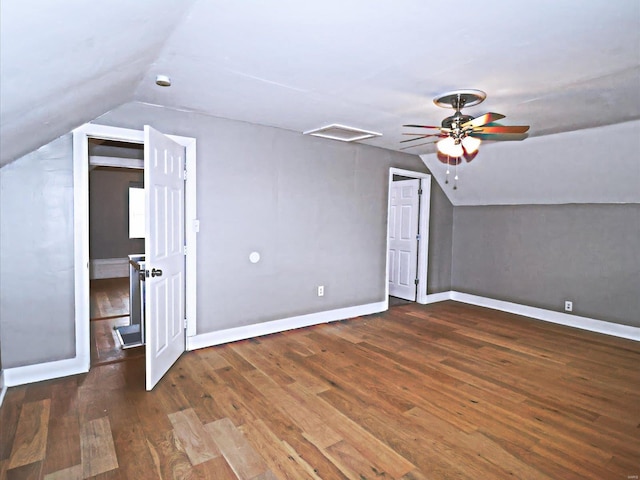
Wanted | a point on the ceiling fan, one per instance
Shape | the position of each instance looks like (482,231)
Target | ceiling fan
(460,135)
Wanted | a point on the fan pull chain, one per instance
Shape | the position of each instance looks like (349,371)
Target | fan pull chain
(447,178)
(455,179)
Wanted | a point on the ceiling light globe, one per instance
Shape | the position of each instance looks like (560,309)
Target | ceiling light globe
(471,144)
(456,150)
(446,145)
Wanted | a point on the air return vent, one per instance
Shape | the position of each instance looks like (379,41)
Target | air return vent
(342,133)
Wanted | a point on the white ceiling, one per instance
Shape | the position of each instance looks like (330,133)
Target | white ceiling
(557,65)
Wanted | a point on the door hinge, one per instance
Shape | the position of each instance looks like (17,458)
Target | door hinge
(418,236)
(185,249)
(185,323)
(416,281)
(185,175)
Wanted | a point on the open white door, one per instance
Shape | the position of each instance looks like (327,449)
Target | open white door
(164,253)
(403,238)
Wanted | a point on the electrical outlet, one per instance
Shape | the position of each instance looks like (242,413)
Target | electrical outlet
(321,291)
(568,306)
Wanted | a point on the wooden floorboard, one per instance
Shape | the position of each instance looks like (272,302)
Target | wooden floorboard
(109,300)
(418,392)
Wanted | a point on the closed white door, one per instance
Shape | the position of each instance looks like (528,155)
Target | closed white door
(403,238)
(164,253)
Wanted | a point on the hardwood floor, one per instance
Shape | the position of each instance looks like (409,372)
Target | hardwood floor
(109,304)
(109,298)
(438,391)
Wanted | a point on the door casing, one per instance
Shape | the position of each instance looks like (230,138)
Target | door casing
(81,137)
(423,222)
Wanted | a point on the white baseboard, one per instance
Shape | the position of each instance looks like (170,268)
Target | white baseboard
(437,297)
(108,268)
(44,371)
(11,377)
(256,330)
(584,323)
(3,387)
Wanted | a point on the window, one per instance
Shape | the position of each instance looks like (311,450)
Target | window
(136,212)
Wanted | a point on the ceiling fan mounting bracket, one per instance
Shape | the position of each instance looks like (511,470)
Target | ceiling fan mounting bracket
(458,99)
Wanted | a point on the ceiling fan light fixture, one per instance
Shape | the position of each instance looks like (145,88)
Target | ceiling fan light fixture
(449,147)
(445,145)
(471,144)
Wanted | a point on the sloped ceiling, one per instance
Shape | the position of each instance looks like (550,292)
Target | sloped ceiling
(63,63)
(559,66)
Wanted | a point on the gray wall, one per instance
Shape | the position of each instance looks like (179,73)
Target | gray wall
(440,241)
(542,255)
(36,256)
(315,209)
(109,213)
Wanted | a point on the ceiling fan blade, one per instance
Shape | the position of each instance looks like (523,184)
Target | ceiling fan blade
(483,120)
(500,137)
(501,129)
(425,134)
(419,145)
(421,126)
(418,138)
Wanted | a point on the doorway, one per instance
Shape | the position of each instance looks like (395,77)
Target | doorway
(116,173)
(81,138)
(407,236)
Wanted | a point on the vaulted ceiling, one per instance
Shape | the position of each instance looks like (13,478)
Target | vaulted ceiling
(568,68)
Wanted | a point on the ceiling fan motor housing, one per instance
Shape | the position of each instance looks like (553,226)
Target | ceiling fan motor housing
(457,119)
(457,100)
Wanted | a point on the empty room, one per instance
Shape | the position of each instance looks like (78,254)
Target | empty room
(340,240)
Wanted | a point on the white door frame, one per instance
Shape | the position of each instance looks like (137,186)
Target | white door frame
(81,137)
(423,225)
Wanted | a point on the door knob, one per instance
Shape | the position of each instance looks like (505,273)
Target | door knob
(156,272)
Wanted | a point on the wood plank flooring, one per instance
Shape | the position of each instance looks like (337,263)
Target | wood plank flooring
(109,304)
(109,298)
(419,392)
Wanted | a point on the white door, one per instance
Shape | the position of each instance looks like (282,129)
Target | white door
(164,184)
(403,238)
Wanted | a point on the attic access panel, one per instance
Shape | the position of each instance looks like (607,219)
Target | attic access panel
(342,133)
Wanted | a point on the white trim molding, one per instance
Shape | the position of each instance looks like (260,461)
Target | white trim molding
(44,371)
(11,377)
(98,161)
(569,320)
(437,297)
(81,137)
(100,268)
(3,387)
(275,326)
(423,228)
